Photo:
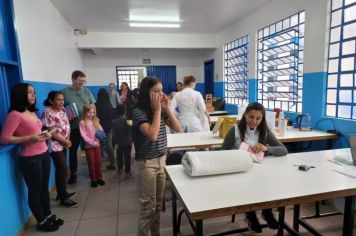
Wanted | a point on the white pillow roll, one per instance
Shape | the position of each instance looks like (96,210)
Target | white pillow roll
(216,162)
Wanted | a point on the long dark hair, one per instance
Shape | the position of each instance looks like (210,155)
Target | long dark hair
(50,98)
(144,100)
(103,97)
(19,99)
(262,127)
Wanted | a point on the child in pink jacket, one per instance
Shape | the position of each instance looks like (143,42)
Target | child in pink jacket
(88,127)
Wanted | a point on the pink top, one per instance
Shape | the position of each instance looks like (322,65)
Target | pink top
(16,124)
(59,121)
(88,133)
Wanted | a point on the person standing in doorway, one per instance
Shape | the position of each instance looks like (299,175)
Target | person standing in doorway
(126,98)
(80,95)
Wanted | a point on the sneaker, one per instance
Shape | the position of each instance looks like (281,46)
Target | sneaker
(56,220)
(68,195)
(127,175)
(47,226)
(252,222)
(94,184)
(69,203)
(268,216)
(101,182)
(119,172)
(72,179)
(111,167)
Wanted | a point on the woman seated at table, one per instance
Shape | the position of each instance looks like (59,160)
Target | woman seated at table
(253,130)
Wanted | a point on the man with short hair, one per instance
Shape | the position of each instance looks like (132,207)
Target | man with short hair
(80,95)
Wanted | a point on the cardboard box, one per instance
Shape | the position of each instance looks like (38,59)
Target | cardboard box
(224,124)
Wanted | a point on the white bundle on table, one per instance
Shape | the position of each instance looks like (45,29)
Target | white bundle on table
(216,162)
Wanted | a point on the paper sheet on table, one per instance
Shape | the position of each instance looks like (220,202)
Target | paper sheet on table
(347,170)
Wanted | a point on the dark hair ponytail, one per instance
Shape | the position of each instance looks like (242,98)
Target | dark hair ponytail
(50,98)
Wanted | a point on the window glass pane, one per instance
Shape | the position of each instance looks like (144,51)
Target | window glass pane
(354,113)
(331,110)
(331,96)
(348,47)
(348,2)
(345,96)
(336,18)
(347,63)
(333,65)
(354,99)
(344,111)
(350,30)
(302,17)
(350,14)
(335,35)
(346,80)
(334,50)
(336,4)
(332,81)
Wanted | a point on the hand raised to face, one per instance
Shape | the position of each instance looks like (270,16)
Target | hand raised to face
(165,102)
(155,101)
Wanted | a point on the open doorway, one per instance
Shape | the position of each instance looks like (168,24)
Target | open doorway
(209,76)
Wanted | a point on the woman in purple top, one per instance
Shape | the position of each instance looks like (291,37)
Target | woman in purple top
(23,127)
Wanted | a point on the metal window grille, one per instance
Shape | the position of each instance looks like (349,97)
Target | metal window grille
(341,81)
(235,71)
(280,63)
(128,76)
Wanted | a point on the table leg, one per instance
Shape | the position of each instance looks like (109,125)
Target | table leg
(329,144)
(348,216)
(199,227)
(281,211)
(296,215)
(174,212)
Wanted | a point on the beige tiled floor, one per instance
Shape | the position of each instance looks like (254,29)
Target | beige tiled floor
(112,210)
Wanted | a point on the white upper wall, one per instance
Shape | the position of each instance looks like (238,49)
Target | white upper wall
(47,49)
(146,40)
(315,32)
(101,68)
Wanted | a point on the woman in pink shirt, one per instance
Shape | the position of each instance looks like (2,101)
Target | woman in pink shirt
(88,126)
(23,127)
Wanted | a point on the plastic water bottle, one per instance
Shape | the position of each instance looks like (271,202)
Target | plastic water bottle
(282,127)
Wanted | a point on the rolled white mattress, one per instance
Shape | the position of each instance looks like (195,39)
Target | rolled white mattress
(216,162)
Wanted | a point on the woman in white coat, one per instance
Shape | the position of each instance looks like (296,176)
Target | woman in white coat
(190,107)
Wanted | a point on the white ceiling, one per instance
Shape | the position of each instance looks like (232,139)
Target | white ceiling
(196,16)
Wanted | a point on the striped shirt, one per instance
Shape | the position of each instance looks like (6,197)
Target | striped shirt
(145,148)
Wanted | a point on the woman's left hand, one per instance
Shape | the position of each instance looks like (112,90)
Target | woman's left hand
(259,147)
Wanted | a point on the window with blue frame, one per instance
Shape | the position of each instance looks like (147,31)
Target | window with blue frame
(235,71)
(10,67)
(280,63)
(128,76)
(341,81)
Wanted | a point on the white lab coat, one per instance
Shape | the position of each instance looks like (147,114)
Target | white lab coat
(190,108)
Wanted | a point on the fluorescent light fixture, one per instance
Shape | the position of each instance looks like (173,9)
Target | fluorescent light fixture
(154,25)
